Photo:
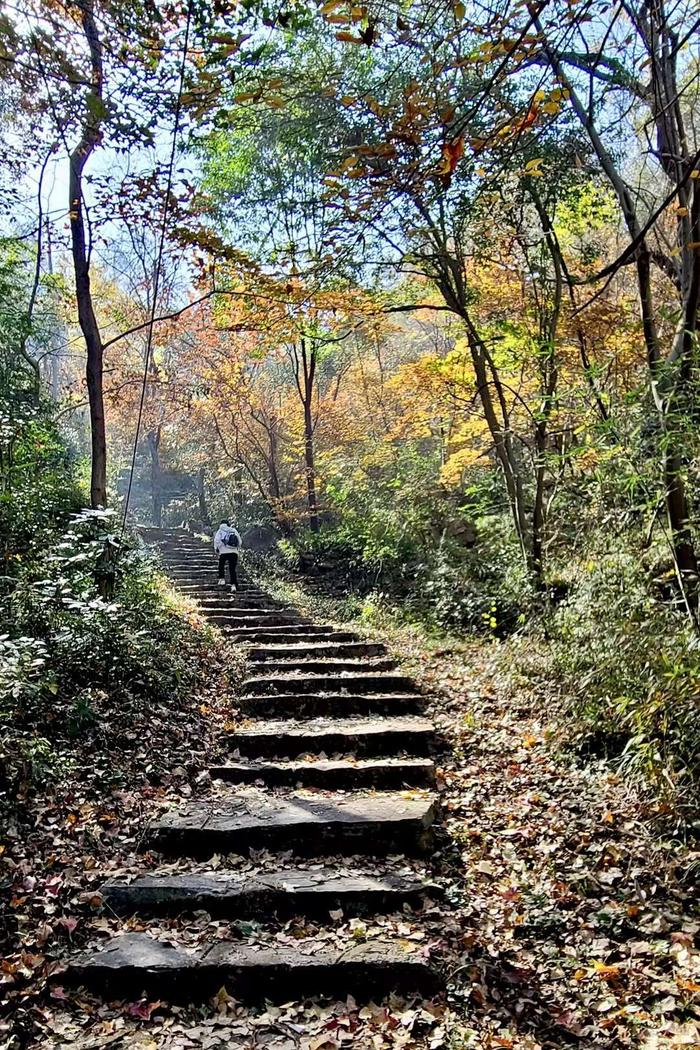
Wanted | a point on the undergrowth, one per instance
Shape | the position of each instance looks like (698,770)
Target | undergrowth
(92,643)
(614,656)
(72,657)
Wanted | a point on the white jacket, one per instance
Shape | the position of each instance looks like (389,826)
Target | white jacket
(219,545)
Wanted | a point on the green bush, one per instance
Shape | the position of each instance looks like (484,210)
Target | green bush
(482,588)
(38,491)
(438,582)
(629,665)
(87,639)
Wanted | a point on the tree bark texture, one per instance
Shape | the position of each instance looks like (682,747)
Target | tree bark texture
(90,138)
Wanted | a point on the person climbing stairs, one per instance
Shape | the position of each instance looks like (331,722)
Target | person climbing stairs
(328,773)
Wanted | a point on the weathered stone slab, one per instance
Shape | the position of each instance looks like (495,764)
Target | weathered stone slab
(258,618)
(353,823)
(373,969)
(341,705)
(366,736)
(239,612)
(293,632)
(330,683)
(291,892)
(132,964)
(328,665)
(331,774)
(315,651)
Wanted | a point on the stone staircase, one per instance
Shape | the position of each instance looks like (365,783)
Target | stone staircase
(330,760)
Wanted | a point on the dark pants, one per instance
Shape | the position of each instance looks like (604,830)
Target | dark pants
(232,560)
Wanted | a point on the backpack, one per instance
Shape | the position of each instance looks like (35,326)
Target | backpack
(231,539)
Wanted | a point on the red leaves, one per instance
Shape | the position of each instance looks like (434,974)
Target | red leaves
(452,152)
(528,120)
(142,1010)
(69,924)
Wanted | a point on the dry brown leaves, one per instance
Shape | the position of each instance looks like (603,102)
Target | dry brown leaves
(579,918)
(569,919)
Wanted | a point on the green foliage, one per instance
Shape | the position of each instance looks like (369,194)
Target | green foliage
(630,669)
(37,483)
(484,588)
(437,555)
(401,566)
(69,656)
(84,629)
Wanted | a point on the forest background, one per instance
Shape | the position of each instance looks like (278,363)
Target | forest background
(414,284)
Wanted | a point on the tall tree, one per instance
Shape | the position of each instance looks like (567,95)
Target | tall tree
(91,133)
(652,37)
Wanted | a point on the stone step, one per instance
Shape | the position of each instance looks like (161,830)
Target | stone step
(199,571)
(198,579)
(137,963)
(296,891)
(331,774)
(187,548)
(206,577)
(223,594)
(227,599)
(297,631)
(190,560)
(258,636)
(194,590)
(333,650)
(192,573)
(239,612)
(354,823)
(341,705)
(328,666)
(232,603)
(334,736)
(258,619)
(330,683)
(185,552)
(178,551)
(211,586)
(191,565)
(181,537)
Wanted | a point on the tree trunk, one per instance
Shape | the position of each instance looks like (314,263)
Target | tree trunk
(55,357)
(667,373)
(549,314)
(238,487)
(156,488)
(202,499)
(448,272)
(90,139)
(310,469)
(679,521)
(309,363)
(502,441)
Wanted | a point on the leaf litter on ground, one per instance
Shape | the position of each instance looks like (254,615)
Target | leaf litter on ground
(568,918)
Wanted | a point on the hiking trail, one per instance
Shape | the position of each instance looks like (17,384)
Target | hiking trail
(327,773)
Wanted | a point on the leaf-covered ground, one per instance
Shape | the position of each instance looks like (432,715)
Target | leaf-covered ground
(568,919)
(579,918)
